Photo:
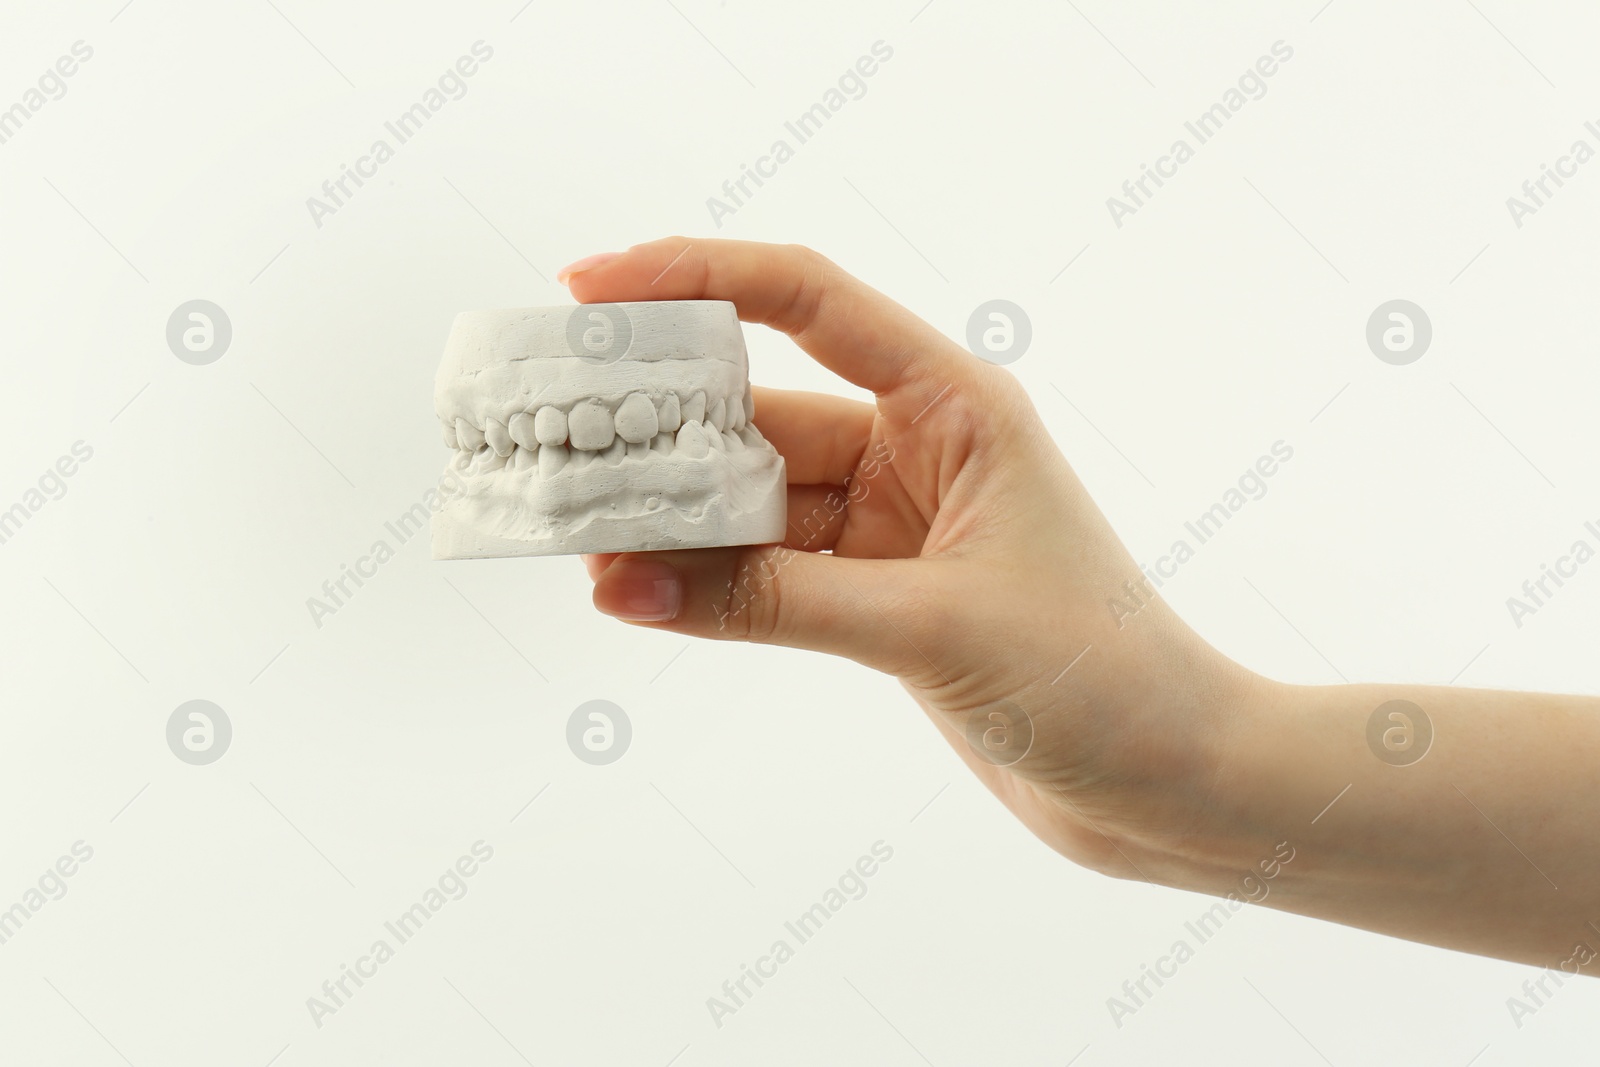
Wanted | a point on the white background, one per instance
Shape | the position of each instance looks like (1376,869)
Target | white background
(369,753)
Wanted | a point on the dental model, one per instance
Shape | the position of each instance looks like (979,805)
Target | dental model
(601,428)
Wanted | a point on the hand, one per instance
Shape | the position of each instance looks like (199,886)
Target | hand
(938,535)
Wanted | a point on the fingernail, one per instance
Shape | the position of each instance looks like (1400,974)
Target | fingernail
(586,263)
(639,591)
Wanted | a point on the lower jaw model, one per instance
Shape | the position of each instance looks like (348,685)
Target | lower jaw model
(602,428)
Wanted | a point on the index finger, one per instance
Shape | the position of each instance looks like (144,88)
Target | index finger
(846,325)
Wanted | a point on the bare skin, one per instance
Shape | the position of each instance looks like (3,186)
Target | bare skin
(939,536)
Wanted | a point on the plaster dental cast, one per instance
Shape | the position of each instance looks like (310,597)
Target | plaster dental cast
(602,428)
(978,569)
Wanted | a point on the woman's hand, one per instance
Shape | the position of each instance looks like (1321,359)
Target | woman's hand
(938,535)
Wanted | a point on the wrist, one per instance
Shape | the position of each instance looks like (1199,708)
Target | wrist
(1196,822)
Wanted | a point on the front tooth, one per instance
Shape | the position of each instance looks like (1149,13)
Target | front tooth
(637,421)
(694,410)
(550,426)
(752,436)
(551,459)
(749,404)
(662,442)
(589,426)
(714,438)
(470,436)
(525,459)
(731,440)
(736,417)
(670,417)
(692,440)
(522,429)
(450,440)
(494,432)
(638,449)
(614,452)
(719,415)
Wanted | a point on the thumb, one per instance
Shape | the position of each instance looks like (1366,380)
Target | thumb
(864,609)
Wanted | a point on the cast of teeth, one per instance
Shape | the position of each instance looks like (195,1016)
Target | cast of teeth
(593,431)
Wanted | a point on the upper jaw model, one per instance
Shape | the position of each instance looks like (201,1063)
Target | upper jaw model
(601,428)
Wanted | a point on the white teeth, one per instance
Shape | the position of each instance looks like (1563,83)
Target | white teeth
(714,438)
(450,435)
(736,417)
(719,415)
(550,426)
(636,420)
(577,459)
(498,439)
(613,453)
(731,441)
(662,442)
(525,459)
(490,460)
(521,429)
(749,404)
(589,426)
(551,459)
(692,440)
(638,449)
(469,436)
(694,409)
(751,436)
(670,418)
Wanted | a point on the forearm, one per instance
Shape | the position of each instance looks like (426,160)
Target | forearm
(1489,843)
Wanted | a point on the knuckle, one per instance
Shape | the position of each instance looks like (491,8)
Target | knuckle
(754,609)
